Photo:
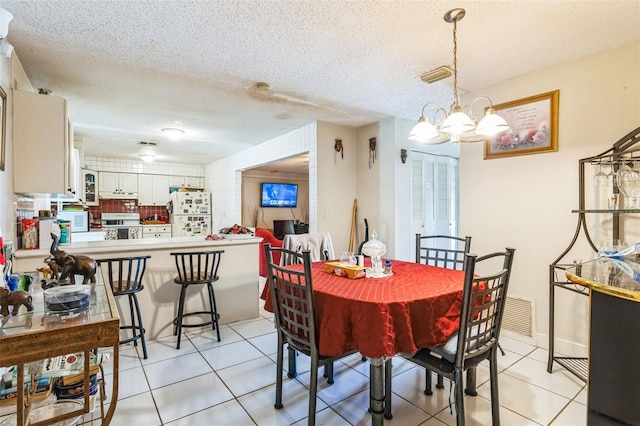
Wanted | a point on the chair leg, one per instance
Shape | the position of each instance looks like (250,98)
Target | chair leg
(293,371)
(178,325)
(459,396)
(470,388)
(133,320)
(313,391)
(142,338)
(493,374)
(440,382)
(328,372)
(214,307)
(279,365)
(428,382)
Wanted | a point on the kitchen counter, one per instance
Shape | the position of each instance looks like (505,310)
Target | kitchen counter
(236,292)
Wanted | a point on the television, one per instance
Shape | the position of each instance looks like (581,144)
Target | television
(279,194)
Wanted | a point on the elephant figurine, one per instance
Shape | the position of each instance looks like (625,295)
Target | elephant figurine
(71,265)
(14,298)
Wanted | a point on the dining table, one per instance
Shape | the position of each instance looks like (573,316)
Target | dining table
(415,306)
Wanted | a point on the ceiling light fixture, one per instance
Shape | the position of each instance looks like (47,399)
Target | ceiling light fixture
(173,133)
(147,153)
(459,125)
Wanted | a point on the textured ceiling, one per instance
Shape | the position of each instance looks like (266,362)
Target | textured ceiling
(129,68)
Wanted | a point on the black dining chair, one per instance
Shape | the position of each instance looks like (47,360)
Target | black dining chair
(197,268)
(481,311)
(320,248)
(124,275)
(445,251)
(294,313)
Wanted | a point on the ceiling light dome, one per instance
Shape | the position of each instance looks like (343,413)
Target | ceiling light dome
(173,133)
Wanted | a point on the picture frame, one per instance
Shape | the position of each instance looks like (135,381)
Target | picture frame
(534,127)
(3,129)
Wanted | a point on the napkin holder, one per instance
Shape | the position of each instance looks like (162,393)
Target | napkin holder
(347,271)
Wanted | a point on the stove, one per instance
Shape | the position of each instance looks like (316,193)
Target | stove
(121,226)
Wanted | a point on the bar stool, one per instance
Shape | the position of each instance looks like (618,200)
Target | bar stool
(197,268)
(125,277)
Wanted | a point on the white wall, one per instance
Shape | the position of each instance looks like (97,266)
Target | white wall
(223,178)
(525,202)
(336,183)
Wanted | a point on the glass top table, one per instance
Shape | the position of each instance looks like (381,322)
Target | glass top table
(32,336)
(618,277)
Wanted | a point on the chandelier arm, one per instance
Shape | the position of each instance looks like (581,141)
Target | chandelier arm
(438,109)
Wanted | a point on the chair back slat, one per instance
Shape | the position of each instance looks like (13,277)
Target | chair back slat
(483,301)
(124,274)
(292,297)
(197,267)
(444,251)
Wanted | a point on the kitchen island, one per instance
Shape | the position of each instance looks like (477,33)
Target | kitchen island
(236,291)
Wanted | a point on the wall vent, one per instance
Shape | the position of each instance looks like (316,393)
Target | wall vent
(518,316)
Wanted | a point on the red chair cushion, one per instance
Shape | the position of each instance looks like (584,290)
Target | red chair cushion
(267,238)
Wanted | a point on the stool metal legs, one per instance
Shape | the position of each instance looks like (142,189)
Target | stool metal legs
(213,311)
(136,329)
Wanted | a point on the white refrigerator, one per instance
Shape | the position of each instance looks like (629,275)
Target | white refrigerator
(190,214)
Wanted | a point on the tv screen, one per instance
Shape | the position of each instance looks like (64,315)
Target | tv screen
(279,194)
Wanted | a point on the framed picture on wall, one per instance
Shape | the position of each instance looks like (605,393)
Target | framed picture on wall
(534,127)
(3,123)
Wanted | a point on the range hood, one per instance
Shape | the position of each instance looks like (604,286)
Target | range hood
(118,195)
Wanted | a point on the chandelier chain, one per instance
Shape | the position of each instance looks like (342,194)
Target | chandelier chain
(455,64)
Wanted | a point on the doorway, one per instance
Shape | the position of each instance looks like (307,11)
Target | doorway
(434,195)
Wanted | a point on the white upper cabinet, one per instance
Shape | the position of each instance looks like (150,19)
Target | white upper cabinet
(43,157)
(118,185)
(153,190)
(192,182)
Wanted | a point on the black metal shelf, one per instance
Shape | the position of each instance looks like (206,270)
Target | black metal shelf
(621,152)
(616,211)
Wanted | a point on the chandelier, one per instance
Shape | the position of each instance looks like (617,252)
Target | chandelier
(459,124)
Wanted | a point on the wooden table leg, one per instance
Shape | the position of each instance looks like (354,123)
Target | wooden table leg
(114,387)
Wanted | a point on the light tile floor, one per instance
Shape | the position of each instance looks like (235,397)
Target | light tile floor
(232,382)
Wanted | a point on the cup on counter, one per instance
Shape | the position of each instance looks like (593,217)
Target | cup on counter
(613,202)
(13,281)
(25,282)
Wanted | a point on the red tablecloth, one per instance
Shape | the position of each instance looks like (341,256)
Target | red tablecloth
(417,306)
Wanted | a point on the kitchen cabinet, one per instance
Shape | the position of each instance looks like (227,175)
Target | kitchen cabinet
(153,190)
(156,231)
(118,185)
(192,182)
(90,184)
(43,157)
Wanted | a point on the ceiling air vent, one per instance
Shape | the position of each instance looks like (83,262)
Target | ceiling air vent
(437,74)
(147,143)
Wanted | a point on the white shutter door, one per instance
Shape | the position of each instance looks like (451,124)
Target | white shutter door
(417,199)
(434,194)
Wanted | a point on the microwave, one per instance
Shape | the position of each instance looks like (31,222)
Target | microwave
(79,219)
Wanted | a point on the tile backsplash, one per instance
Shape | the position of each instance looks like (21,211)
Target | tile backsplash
(126,206)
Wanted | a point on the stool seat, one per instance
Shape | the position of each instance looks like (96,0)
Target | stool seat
(197,268)
(124,275)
